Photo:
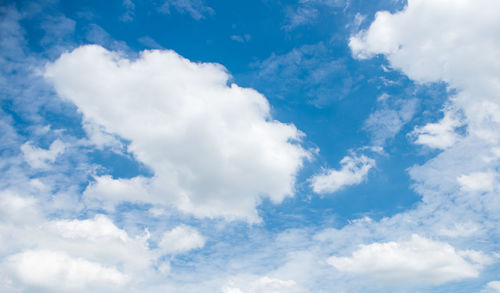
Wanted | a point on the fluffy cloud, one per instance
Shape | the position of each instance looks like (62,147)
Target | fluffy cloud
(354,170)
(417,261)
(214,148)
(59,272)
(463,52)
(181,239)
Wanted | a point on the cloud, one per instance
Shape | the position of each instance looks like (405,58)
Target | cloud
(265,285)
(353,170)
(463,52)
(492,287)
(419,261)
(312,70)
(241,38)
(59,272)
(214,148)
(195,8)
(477,181)
(391,115)
(181,239)
(41,158)
(441,134)
(306,12)
(129,6)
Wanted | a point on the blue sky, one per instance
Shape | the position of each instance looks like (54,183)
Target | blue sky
(249,146)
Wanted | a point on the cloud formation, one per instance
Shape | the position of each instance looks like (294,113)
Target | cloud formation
(419,261)
(353,170)
(214,148)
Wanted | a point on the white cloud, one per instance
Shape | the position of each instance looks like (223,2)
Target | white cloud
(463,52)
(41,158)
(59,272)
(90,229)
(265,285)
(441,134)
(181,239)
(214,147)
(478,181)
(419,261)
(354,170)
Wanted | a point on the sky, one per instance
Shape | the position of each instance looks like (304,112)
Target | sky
(257,146)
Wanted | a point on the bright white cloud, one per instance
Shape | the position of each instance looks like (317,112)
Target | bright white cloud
(41,158)
(463,52)
(353,170)
(214,147)
(478,181)
(181,239)
(59,272)
(417,261)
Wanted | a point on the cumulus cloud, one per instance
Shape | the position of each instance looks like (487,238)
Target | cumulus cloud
(418,261)
(353,170)
(463,52)
(214,148)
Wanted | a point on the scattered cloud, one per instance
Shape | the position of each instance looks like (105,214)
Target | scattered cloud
(306,12)
(241,38)
(195,8)
(392,114)
(311,69)
(353,170)
(129,13)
